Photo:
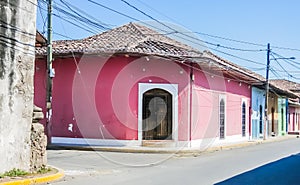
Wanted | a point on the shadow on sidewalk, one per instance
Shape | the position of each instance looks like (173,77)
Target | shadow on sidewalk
(282,172)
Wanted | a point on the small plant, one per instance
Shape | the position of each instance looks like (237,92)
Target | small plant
(14,173)
(43,170)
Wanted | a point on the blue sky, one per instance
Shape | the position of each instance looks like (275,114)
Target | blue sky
(257,21)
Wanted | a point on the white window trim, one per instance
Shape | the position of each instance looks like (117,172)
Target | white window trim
(173,90)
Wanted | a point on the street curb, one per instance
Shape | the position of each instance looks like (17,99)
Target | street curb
(37,180)
(166,150)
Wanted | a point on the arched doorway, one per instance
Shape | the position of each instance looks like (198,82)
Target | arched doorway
(157,115)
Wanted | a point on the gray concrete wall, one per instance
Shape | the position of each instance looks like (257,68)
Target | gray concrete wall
(17,38)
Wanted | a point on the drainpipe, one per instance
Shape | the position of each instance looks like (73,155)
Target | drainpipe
(192,78)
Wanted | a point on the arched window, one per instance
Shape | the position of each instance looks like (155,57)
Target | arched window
(222,119)
(244,119)
(273,119)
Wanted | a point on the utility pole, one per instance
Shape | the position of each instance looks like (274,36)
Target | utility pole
(49,52)
(50,71)
(267,92)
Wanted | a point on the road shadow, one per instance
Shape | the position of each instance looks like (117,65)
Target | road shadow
(285,171)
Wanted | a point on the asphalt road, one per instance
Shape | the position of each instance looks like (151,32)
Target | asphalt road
(268,163)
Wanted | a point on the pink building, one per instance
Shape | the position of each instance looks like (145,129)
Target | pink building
(134,86)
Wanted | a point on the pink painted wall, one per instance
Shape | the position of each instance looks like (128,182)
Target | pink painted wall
(291,124)
(40,87)
(294,119)
(97,97)
(206,91)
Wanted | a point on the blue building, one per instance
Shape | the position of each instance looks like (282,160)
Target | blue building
(257,117)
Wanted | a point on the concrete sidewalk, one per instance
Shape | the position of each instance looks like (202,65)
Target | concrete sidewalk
(39,179)
(179,150)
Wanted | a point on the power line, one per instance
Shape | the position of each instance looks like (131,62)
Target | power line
(176,31)
(201,33)
(89,16)
(289,61)
(103,6)
(62,35)
(44,19)
(13,41)
(286,48)
(73,17)
(68,5)
(160,29)
(275,73)
(15,47)
(279,64)
(218,37)
(170,28)
(6,25)
(248,60)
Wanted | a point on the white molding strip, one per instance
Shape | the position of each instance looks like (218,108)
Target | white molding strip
(93,142)
(212,142)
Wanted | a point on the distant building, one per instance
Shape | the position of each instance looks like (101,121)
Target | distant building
(291,114)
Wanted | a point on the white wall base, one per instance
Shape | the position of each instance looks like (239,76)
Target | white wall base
(213,142)
(93,142)
(201,144)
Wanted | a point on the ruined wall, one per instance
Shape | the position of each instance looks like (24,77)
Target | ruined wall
(17,37)
(38,141)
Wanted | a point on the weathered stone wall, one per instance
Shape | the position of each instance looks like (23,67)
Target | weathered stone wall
(38,141)
(17,37)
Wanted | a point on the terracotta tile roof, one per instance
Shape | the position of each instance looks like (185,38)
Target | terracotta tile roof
(129,38)
(230,67)
(287,85)
(276,86)
(133,38)
(40,40)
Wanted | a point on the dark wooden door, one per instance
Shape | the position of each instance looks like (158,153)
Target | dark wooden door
(157,115)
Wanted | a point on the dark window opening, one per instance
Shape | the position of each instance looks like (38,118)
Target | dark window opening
(222,119)
(273,119)
(260,120)
(244,119)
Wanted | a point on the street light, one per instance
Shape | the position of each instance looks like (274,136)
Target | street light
(267,86)
(290,58)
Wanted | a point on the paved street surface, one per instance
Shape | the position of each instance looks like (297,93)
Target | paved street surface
(267,163)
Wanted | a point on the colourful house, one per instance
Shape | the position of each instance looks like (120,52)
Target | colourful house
(293,118)
(282,121)
(277,110)
(134,86)
(258,113)
(289,108)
